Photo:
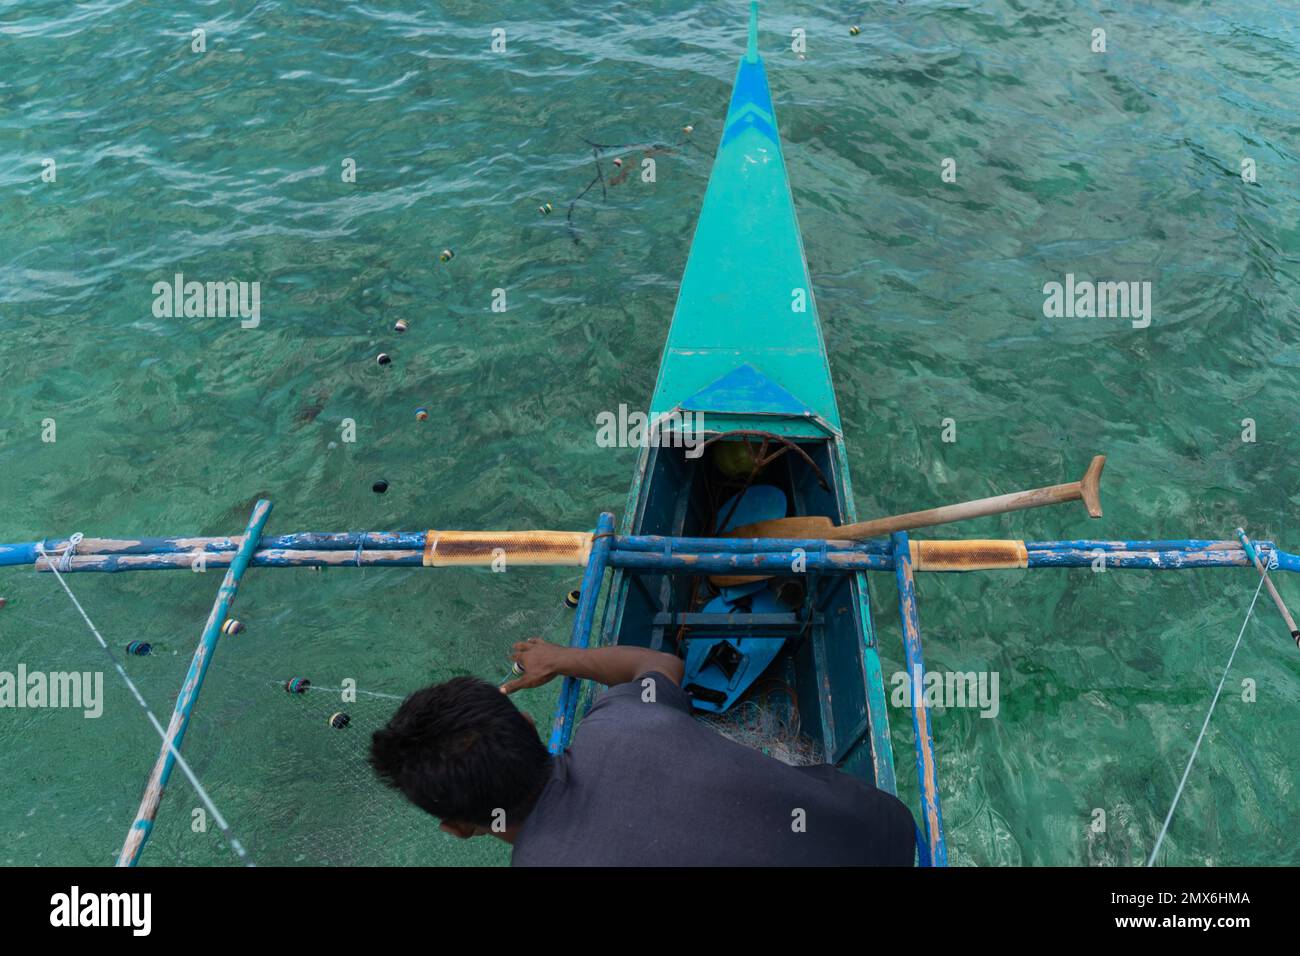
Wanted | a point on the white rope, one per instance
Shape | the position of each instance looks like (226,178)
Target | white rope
(1205,726)
(343,690)
(157,725)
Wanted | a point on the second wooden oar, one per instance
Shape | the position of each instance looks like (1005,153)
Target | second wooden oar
(1086,489)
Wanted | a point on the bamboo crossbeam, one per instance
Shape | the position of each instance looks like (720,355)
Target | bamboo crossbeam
(1176,544)
(141,828)
(662,544)
(266,558)
(650,553)
(1167,559)
(299,541)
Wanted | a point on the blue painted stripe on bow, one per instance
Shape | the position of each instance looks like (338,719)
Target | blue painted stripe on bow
(751,104)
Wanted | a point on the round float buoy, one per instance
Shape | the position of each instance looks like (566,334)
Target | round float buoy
(572,598)
(340,720)
(383,358)
(297,685)
(733,458)
(421,414)
(446,255)
(139,648)
(854,31)
(545,209)
(400,325)
(379,487)
(232,627)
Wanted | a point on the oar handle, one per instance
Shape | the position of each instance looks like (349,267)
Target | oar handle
(1087,489)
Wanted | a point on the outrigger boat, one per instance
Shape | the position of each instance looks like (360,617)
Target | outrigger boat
(748,443)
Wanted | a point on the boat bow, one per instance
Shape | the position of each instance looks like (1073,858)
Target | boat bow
(745,326)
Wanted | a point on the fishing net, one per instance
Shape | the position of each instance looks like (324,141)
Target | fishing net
(322,739)
(288,774)
(298,787)
(755,723)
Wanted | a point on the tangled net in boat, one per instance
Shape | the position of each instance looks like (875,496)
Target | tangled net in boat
(754,724)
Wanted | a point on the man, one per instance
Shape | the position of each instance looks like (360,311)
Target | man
(643,784)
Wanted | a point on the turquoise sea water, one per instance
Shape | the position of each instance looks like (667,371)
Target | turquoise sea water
(226,165)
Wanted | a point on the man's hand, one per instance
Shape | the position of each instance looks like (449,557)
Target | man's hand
(539,661)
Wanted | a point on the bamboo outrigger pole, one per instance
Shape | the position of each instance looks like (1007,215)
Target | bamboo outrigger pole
(189,693)
(566,709)
(1268,583)
(639,553)
(923,738)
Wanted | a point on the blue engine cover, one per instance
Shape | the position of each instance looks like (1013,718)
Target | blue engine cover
(727,666)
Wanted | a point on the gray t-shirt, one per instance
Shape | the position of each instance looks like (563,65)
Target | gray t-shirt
(645,784)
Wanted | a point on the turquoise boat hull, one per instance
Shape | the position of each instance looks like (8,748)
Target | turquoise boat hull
(745,360)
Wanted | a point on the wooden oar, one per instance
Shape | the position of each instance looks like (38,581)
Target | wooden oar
(1086,489)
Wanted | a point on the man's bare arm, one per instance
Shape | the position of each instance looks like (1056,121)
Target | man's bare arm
(542,662)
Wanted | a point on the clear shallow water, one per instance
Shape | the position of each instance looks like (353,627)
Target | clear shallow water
(227,165)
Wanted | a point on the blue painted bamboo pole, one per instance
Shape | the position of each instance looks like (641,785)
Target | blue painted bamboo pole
(402,541)
(28,552)
(723,562)
(1156,560)
(635,552)
(662,544)
(21,552)
(1176,559)
(141,828)
(298,541)
(777,562)
(1176,544)
(926,770)
(567,707)
(212,548)
(265,558)
(1262,567)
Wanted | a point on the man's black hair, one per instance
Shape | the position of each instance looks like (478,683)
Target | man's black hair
(461,750)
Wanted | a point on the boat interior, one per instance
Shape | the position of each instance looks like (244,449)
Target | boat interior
(783,655)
